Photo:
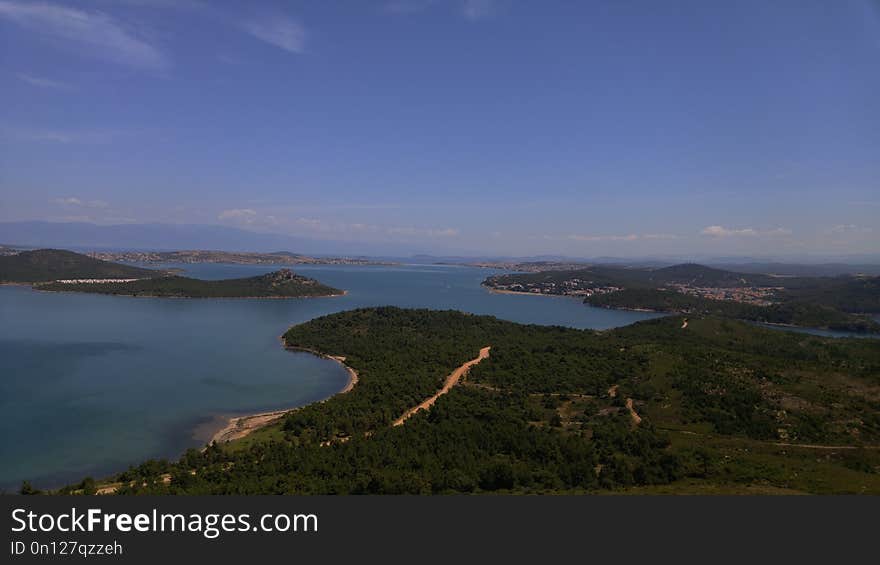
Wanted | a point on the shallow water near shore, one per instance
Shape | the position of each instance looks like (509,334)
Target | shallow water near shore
(91,384)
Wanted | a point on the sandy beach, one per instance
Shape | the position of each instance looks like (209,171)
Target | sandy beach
(240,426)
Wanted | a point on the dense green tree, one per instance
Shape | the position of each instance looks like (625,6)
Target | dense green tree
(536,415)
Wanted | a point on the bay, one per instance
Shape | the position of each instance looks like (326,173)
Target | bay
(91,384)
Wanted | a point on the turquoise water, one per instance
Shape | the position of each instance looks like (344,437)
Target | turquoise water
(91,384)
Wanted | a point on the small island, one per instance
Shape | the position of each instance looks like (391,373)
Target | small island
(283,283)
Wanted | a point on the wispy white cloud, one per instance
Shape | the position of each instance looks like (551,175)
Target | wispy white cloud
(282,32)
(659,236)
(78,218)
(237,214)
(99,33)
(477,9)
(311,225)
(43,82)
(178,4)
(248,217)
(73,201)
(70,201)
(55,136)
(65,136)
(422,232)
(848,228)
(580,237)
(624,237)
(721,231)
(472,10)
(406,6)
(316,224)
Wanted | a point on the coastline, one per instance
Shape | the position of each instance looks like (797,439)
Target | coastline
(647,310)
(519,293)
(37,289)
(238,427)
(578,297)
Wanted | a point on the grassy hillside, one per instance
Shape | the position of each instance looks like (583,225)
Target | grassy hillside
(849,294)
(821,302)
(724,407)
(53,264)
(697,275)
(700,275)
(278,284)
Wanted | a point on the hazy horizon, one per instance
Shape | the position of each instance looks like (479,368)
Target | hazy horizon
(179,237)
(451,127)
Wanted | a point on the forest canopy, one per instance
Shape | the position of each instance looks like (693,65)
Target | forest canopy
(714,405)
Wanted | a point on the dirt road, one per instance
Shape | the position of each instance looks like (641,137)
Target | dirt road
(451,381)
(632,412)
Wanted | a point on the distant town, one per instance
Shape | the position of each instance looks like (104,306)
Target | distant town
(569,287)
(759,296)
(692,280)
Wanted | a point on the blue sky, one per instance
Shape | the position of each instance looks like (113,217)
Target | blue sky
(514,127)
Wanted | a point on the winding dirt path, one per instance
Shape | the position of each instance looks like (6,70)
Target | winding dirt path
(451,381)
(632,412)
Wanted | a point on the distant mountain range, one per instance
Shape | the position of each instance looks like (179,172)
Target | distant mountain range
(173,237)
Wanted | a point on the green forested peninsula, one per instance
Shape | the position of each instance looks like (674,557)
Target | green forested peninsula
(279,284)
(716,406)
(795,313)
(52,264)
